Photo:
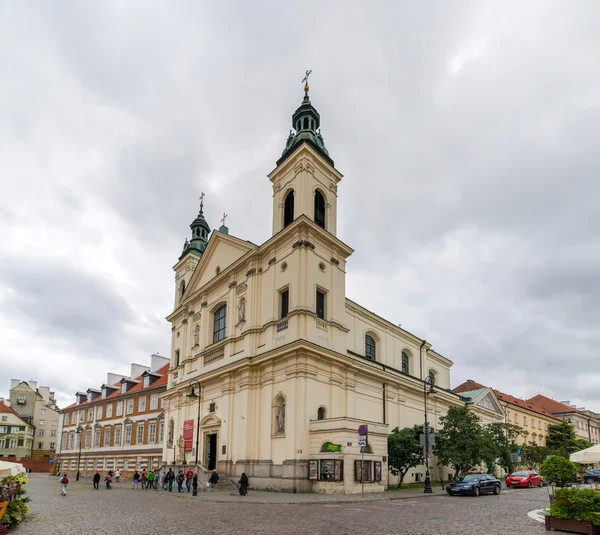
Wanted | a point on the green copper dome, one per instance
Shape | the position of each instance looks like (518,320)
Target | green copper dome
(306,122)
(200,235)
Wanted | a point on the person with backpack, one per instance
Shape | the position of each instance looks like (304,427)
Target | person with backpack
(170,478)
(136,480)
(213,480)
(108,481)
(64,481)
(188,479)
(180,480)
(96,480)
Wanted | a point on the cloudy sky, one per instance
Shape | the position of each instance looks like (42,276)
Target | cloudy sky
(468,134)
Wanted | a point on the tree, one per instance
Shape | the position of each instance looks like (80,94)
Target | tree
(404,450)
(559,470)
(459,440)
(533,456)
(561,439)
(499,442)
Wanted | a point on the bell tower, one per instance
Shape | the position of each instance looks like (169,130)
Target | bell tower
(305,179)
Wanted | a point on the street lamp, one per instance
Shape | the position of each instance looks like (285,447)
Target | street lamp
(192,396)
(429,382)
(79,432)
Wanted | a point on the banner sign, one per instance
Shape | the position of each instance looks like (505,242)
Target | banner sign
(188,434)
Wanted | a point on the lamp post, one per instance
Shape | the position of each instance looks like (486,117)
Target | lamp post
(429,382)
(79,431)
(192,396)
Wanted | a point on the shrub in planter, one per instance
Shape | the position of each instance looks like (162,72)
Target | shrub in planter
(576,504)
(559,470)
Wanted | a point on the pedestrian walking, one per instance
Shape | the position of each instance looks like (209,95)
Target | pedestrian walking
(213,480)
(64,481)
(108,481)
(96,479)
(117,474)
(144,479)
(188,479)
(136,480)
(150,479)
(170,479)
(180,480)
(244,485)
(195,485)
(164,481)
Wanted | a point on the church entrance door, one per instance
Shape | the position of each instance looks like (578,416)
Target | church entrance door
(211,451)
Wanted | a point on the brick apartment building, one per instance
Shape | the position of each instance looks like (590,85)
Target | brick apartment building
(120,425)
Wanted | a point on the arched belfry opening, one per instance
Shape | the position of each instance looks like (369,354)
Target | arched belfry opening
(319,209)
(288,209)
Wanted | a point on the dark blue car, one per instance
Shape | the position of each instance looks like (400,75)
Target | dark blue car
(474,484)
(591,476)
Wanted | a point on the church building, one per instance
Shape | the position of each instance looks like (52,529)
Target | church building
(273,368)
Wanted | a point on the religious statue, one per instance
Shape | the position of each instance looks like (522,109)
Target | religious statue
(171,432)
(281,419)
(242,310)
(197,335)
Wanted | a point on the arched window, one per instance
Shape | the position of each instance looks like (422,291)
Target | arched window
(181,290)
(432,377)
(220,320)
(370,349)
(405,359)
(288,209)
(321,413)
(305,123)
(319,209)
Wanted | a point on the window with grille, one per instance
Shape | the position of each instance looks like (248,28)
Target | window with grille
(370,348)
(319,209)
(127,435)
(404,363)
(220,330)
(285,303)
(288,209)
(117,436)
(320,304)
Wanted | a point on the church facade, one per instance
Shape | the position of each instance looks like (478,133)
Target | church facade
(273,369)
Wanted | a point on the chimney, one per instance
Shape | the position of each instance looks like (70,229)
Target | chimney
(138,369)
(157,362)
(113,378)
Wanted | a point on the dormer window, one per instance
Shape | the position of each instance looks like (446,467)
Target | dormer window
(123,388)
(104,393)
(146,381)
(89,396)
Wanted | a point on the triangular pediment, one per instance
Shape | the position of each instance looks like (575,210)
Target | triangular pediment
(222,251)
(490,402)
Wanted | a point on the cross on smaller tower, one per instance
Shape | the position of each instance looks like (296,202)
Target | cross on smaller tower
(223,220)
(202,200)
(305,81)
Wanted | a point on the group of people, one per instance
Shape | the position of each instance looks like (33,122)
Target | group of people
(147,479)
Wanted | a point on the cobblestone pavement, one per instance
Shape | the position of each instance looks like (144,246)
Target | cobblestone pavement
(126,511)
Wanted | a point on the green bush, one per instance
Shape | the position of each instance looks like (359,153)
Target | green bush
(559,470)
(578,504)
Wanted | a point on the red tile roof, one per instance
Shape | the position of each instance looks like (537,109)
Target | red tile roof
(468,386)
(551,405)
(523,404)
(6,408)
(137,388)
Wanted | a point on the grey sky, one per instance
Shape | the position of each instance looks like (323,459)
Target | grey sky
(467,132)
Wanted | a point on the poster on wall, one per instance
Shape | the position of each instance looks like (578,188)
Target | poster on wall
(357,468)
(377,471)
(313,469)
(327,470)
(339,470)
(188,434)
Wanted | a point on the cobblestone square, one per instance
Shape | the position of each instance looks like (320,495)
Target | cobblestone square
(127,511)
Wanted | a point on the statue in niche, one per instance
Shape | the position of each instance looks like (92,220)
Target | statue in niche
(197,335)
(171,433)
(281,419)
(242,310)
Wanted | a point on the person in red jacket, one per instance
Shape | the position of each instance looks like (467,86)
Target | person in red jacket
(189,475)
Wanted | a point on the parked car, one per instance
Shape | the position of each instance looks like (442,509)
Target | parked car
(475,484)
(591,476)
(525,478)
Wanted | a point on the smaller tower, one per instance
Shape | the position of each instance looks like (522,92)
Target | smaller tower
(191,254)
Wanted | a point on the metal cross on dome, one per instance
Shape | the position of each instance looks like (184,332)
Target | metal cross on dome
(305,80)
(202,200)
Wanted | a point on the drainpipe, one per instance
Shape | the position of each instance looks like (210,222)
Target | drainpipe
(421,356)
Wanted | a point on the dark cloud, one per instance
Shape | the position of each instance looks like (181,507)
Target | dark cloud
(467,135)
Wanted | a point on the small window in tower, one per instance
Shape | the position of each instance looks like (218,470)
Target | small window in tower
(285,302)
(181,289)
(288,209)
(305,123)
(319,209)
(320,304)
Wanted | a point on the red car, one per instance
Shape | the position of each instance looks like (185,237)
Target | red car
(526,478)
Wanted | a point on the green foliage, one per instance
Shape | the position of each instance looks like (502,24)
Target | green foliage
(561,439)
(460,441)
(578,504)
(499,441)
(532,456)
(559,470)
(14,514)
(404,450)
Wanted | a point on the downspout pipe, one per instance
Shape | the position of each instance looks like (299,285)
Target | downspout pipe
(421,357)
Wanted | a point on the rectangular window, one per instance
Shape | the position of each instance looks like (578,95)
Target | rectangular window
(152,433)
(67,419)
(142,404)
(508,416)
(81,416)
(40,445)
(42,422)
(524,420)
(40,432)
(176,360)
(120,408)
(126,463)
(90,415)
(129,406)
(118,436)
(13,444)
(320,304)
(4,429)
(99,412)
(128,435)
(109,410)
(52,445)
(139,439)
(53,432)
(516,418)
(146,381)
(88,438)
(14,430)
(44,411)
(97,438)
(105,463)
(1,443)
(539,424)
(107,437)
(220,324)
(161,432)
(331,470)
(284,300)
(153,402)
